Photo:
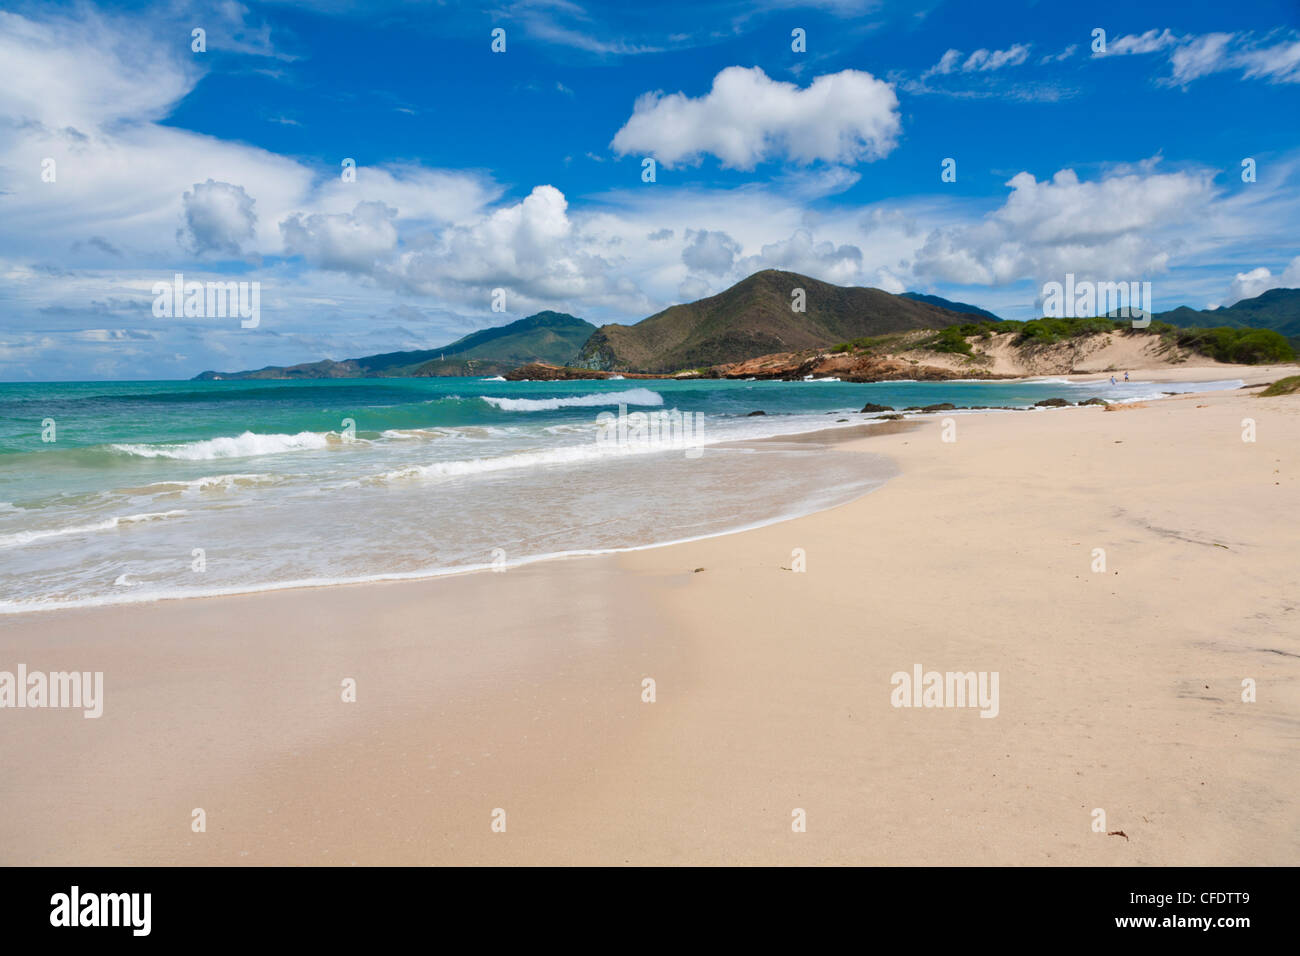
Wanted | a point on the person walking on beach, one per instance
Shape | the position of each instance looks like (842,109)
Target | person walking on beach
(1112,380)
(1126,376)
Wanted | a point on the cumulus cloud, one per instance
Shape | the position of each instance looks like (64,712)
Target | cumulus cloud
(885,279)
(219,218)
(345,242)
(692,288)
(802,253)
(1117,227)
(1247,285)
(530,247)
(93,92)
(747,118)
(711,252)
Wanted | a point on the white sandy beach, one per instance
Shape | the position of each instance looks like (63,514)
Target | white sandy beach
(1119,690)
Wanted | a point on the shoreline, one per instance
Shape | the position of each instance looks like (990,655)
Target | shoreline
(830,434)
(523,691)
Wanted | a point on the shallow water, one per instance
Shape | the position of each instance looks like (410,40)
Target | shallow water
(169,489)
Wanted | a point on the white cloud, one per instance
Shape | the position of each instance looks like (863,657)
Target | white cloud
(711,252)
(86,73)
(346,242)
(1272,59)
(1279,63)
(802,253)
(984,60)
(981,61)
(947,64)
(1202,55)
(1121,226)
(1247,285)
(1151,41)
(692,288)
(93,107)
(747,118)
(1058,57)
(219,218)
(889,282)
(532,248)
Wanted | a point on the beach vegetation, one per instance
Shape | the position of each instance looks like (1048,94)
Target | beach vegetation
(1239,346)
(1283,386)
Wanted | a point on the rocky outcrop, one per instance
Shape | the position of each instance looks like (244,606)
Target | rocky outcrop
(937,407)
(846,366)
(542,372)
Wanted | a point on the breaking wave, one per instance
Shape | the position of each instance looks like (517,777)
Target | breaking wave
(633,396)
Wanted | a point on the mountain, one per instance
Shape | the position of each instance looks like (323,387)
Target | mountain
(1276,309)
(963,307)
(545,337)
(754,317)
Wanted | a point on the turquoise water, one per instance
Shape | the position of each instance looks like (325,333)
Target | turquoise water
(166,489)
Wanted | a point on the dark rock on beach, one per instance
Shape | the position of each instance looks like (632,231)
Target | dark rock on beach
(759,412)
(873,407)
(939,407)
(1095,401)
(1051,403)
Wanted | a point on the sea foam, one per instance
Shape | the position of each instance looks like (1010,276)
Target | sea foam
(247,445)
(20,538)
(633,396)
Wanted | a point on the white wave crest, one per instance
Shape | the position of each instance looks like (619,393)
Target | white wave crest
(633,396)
(247,445)
(20,538)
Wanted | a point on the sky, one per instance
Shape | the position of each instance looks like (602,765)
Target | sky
(971,150)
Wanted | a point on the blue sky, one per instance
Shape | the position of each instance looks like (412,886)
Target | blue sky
(522,170)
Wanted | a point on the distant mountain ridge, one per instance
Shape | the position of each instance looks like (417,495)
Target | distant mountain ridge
(755,317)
(750,320)
(963,307)
(544,337)
(1276,309)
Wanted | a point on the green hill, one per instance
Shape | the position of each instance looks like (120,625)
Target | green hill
(754,317)
(1276,309)
(553,337)
(963,307)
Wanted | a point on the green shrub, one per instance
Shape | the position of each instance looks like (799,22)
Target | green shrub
(951,339)
(1049,331)
(1239,346)
(1283,386)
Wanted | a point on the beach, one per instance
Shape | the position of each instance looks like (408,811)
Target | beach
(771,653)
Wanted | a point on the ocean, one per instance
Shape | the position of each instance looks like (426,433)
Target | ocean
(137,491)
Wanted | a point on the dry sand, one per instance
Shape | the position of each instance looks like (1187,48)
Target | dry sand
(523,691)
